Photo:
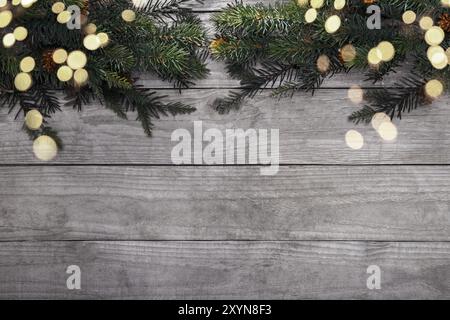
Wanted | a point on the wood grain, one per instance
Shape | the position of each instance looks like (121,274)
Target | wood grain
(113,203)
(225,270)
(312,131)
(233,203)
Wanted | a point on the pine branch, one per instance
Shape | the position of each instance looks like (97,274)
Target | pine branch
(404,99)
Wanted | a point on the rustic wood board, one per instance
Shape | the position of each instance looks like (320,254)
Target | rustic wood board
(225,270)
(139,227)
(312,131)
(400,203)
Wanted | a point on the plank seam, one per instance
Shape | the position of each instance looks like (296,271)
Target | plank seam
(12,165)
(227,240)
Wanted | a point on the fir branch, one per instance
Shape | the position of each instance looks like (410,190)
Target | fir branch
(406,98)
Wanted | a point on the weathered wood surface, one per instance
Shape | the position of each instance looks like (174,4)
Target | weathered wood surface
(285,233)
(225,270)
(406,203)
(312,131)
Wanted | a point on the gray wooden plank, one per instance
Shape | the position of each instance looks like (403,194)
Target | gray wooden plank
(407,203)
(224,270)
(312,131)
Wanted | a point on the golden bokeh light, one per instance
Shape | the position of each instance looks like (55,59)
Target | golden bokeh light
(77,60)
(426,23)
(59,56)
(387,51)
(20,33)
(339,4)
(434,36)
(437,57)
(348,53)
(23,81)
(434,88)
(90,28)
(323,63)
(332,24)
(64,73)
(354,139)
(5,18)
(33,119)
(388,131)
(92,42)
(128,15)
(81,77)
(9,40)
(378,119)
(310,15)
(355,94)
(58,7)
(45,148)
(316,4)
(104,39)
(409,17)
(64,17)
(27,64)
(374,56)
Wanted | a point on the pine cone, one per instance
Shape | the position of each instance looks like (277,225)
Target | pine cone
(47,61)
(444,22)
(85,8)
(216,43)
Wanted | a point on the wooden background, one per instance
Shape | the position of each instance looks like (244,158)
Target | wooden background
(140,227)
